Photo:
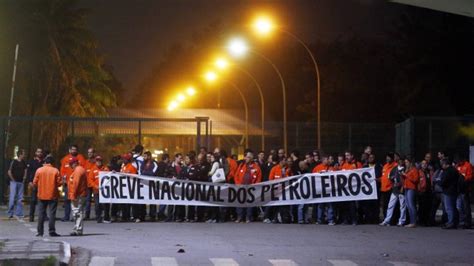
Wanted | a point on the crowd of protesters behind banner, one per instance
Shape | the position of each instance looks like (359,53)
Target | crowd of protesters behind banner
(410,193)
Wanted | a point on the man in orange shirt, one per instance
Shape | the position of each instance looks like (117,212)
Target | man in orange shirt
(93,183)
(89,165)
(281,170)
(66,171)
(350,207)
(128,168)
(247,173)
(77,192)
(324,167)
(463,203)
(385,183)
(47,180)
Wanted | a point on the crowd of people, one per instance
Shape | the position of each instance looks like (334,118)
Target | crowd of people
(409,192)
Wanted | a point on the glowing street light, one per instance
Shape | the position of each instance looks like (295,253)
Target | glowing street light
(173,105)
(237,47)
(191,91)
(210,76)
(181,97)
(263,25)
(221,63)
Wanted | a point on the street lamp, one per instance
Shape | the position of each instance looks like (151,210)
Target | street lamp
(210,76)
(244,100)
(263,26)
(190,91)
(237,45)
(222,64)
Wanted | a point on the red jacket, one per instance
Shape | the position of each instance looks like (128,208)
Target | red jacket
(254,171)
(465,169)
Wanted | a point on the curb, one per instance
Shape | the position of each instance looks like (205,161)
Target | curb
(67,253)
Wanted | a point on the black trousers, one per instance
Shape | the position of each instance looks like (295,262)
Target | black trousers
(437,200)
(33,203)
(42,208)
(102,210)
(384,199)
(424,208)
(139,211)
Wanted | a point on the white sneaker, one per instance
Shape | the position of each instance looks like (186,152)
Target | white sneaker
(267,221)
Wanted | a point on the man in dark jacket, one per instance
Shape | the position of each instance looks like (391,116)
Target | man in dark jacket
(449,183)
(34,165)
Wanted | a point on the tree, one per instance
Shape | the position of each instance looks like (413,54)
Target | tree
(60,71)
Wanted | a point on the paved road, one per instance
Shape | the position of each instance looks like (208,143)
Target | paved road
(259,244)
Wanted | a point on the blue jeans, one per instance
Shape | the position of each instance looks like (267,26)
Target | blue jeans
(301,213)
(247,211)
(411,204)
(394,198)
(463,205)
(450,206)
(321,209)
(16,198)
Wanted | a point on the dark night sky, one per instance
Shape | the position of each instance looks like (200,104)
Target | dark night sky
(134,35)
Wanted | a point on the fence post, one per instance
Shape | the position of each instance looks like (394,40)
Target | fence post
(140,132)
(72,131)
(2,160)
(350,136)
(198,133)
(430,136)
(207,136)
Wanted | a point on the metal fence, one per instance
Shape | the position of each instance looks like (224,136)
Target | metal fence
(418,135)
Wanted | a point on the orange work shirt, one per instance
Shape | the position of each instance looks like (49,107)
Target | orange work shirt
(66,169)
(321,168)
(277,172)
(93,177)
(412,178)
(77,185)
(128,169)
(47,179)
(232,169)
(255,173)
(386,184)
(351,166)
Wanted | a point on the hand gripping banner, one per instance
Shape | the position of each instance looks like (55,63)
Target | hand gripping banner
(335,186)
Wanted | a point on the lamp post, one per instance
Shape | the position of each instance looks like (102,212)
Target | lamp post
(211,78)
(222,64)
(239,48)
(264,26)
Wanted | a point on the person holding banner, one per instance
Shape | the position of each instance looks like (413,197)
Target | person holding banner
(281,170)
(397,195)
(350,207)
(93,182)
(248,173)
(77,193)
(89,165)
(386,183)
(325,167)
(411,180)
(150,168)
(127,168)
(66,171)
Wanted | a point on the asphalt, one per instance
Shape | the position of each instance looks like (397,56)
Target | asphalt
(256,243)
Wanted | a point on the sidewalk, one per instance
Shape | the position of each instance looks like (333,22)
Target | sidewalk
(15,250)
(34,252)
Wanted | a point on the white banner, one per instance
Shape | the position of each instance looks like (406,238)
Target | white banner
(335,186)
